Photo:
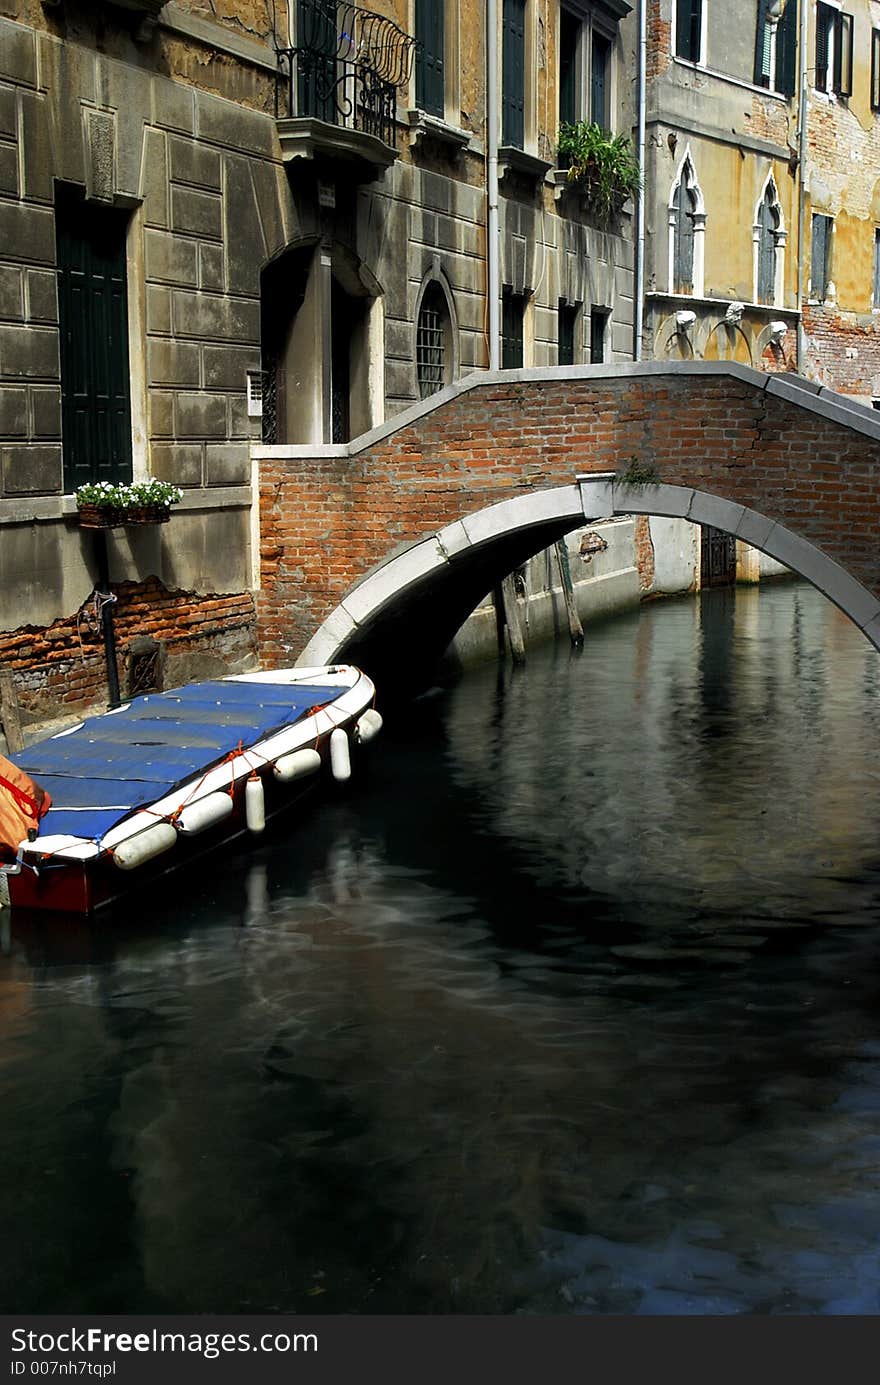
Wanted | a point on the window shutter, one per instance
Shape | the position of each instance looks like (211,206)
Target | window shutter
(767,249)
(569,36)
(876,302)
(566,323)
(819,256)
(875,73)
(762,45)
(684,204)
(824,16)
(601,52)
(429,60)
(843,54)
(512,307)
(513,44)
(786,50)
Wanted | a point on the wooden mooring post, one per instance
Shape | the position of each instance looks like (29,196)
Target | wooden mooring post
(575,629)
(510,606)
(9,714)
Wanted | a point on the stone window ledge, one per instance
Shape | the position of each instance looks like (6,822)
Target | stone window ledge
(517,161)
(31,509)
(563,189)
(430,129)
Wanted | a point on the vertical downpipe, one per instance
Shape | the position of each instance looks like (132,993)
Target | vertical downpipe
(107,598)
(802,173)
(493,259)
(639,287)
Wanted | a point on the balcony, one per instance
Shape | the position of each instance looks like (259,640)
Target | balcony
(336,91)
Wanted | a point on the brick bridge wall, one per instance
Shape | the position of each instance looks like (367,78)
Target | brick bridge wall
(800,458)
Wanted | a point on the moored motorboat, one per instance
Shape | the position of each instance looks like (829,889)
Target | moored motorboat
(145,788)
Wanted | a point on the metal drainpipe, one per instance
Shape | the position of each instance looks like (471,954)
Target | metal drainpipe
(493,259)
(802,171)
(639,294)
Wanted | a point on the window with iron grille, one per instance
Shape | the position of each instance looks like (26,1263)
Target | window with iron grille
(431,330)
(820,256)
(567,332)
(689,29)
(513,307)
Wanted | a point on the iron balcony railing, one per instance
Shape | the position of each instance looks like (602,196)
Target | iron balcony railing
(345,69)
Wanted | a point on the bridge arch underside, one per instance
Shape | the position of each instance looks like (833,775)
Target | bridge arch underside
(397,621)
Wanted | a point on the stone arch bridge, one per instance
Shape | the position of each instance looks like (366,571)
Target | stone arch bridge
(377,550)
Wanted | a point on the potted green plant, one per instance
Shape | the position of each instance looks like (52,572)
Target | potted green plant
(603,167)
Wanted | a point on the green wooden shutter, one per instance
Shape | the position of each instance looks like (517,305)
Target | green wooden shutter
(876,302)
(93,313)
(513,51)
(566,321)
(875,73)
(599,58)
(317,42)
(843,54)
(512,308)
(762,45)
(429,58)
(824,17)
(569,37)
(786,50)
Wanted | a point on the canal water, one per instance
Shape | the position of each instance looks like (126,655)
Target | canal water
(569,1006)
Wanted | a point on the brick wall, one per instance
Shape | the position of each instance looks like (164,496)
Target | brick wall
(327,521)
(843,349)
(61,667)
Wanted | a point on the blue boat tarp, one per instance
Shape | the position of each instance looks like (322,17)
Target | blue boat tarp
(117,762)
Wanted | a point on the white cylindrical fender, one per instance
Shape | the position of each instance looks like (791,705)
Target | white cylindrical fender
(255,804)
(369,725)
(340,755)
(296,765)
(197,817)
(144,846)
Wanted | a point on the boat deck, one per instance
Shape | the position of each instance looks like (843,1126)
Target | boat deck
(122,760)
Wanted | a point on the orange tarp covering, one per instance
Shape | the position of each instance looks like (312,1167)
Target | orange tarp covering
(22,804)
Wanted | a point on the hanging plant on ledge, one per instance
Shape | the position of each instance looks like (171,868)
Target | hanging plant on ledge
(603,167)
(101,505)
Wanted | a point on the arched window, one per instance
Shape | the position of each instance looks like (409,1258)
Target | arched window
(769,246)
(687,224)
(435,340)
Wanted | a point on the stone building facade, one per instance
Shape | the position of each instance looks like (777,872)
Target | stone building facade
(257,266)
(763,187)
(231,227)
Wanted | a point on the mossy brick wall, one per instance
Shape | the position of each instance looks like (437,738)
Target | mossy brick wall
(326,521)
(61,667)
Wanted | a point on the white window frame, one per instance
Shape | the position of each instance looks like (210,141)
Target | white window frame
(591,19)
(698,287)
(780,236)
(701,60)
